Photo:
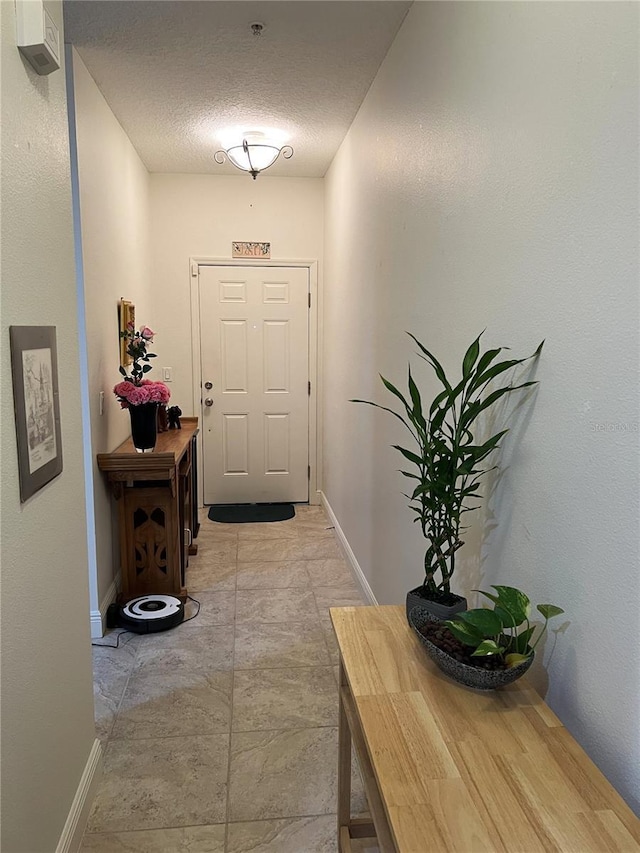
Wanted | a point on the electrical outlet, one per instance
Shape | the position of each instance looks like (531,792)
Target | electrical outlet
(167,374)
(102,402)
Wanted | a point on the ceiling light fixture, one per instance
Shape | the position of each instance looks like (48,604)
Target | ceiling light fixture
(254,154)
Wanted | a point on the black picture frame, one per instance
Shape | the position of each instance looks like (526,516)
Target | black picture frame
(34,367)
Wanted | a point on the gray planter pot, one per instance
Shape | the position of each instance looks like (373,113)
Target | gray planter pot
(440,611)
(470,676)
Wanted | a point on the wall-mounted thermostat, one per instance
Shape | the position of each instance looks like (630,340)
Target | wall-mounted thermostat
(38,37)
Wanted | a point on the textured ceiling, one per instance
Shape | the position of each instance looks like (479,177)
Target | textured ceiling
(177,73)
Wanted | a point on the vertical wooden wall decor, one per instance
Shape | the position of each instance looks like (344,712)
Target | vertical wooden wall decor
(126,315)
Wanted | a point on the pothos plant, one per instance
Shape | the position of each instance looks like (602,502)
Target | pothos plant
(505,630)
(446,458)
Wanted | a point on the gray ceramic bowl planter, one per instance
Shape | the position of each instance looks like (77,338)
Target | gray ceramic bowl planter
(440,611)
(470,676)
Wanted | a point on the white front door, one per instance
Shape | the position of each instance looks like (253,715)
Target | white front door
(254,340)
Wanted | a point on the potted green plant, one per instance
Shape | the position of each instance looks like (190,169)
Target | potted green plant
(446,461)
(485,648)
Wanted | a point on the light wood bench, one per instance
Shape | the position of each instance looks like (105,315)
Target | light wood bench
(446,768)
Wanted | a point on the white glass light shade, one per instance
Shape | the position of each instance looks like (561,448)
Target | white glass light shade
(254,154)
(261,156)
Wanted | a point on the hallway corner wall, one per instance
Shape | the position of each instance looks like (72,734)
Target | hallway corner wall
(114,217)
(490,181)
(48,734)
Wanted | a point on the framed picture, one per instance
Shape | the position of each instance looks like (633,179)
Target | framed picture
(126,315)
(34,365)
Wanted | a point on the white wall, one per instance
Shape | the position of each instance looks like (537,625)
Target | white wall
(114,208)
(47,701)
(490,180)
(200,215)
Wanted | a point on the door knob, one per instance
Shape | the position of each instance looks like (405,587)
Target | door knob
(208,401)
(208,385)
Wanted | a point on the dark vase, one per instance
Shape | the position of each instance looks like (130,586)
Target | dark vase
(144,426)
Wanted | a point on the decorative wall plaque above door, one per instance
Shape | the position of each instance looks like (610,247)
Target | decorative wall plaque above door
(250,250)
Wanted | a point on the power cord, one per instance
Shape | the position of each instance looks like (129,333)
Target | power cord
(195,614)
(117,643)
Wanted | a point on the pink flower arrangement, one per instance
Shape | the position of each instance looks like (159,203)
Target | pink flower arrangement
(134,390)
(130,394)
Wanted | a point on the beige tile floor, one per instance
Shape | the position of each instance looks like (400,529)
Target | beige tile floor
(220,736)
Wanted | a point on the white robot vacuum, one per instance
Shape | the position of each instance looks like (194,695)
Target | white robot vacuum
(150,613)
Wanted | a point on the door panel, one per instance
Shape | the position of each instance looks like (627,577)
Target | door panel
(254,332)
(235,379)
(276,444)
(276,357)
(235,444)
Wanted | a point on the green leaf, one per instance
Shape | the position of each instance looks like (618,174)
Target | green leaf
(490,595)
(486,360)
(122,370)
(514,659)
(487,647)
(521,642)
(463,632)
(408,454)
(471,356)
(483,450)
(509,606)
(385,409)
(483,376)
(482,620)
(439,398)
(549,610)
(472,412)
(416,419)
(412,476)
(496,370)
(433,361)
(394,391)
(514,602)
(146,368)
(416,400)
(436,421)
(505,617)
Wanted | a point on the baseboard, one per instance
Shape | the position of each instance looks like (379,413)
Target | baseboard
(99,617)
(76,822)
(350,557)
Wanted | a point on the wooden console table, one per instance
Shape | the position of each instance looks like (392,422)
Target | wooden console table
(450,769)
(157,511)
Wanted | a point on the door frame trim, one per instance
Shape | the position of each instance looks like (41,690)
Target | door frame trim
(315,357)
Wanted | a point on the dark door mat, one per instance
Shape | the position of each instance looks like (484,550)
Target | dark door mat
(248,513)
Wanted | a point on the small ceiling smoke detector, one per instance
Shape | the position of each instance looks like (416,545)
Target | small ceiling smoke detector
(257,28)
